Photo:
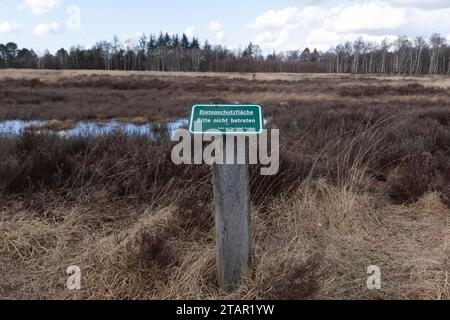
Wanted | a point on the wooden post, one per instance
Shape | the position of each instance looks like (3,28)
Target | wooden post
(233,237)
(231,184)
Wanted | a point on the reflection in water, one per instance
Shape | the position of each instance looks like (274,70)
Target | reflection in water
(16,127)
(84,128)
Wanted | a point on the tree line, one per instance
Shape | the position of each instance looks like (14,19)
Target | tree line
(166,52)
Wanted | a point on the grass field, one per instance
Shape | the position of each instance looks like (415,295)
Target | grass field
(364,180)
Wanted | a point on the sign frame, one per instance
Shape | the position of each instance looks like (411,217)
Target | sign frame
(261,118)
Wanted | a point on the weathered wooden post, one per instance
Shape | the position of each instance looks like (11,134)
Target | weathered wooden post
(233,236)
(231,186)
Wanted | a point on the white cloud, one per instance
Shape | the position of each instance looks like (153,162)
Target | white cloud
(429,21)
(435,4)
(39,7)
(275,19)
(43,29)
(311,2)
(323,39)
(367,16)
(220,36)
(9,27)
(190,31)
(271,40)
(325,24)
(427,4)
(214,26)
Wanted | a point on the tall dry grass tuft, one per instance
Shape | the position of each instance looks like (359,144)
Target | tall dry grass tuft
(315,244)
(130,263)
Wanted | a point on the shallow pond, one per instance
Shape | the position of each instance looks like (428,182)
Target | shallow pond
(153,130)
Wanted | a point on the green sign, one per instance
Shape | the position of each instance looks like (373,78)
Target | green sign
(226,119)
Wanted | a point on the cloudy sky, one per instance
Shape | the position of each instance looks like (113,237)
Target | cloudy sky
(273,24)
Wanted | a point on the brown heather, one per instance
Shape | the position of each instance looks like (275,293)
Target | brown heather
(364,180)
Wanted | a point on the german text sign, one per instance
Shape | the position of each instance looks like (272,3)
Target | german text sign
(226,119)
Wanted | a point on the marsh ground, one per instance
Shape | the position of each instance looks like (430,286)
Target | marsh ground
(364,180)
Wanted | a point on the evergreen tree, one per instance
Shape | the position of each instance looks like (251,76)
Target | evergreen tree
(185,44)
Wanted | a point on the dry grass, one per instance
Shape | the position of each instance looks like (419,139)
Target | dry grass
(317,246)
(55,75)
(363,181)
(54,125)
